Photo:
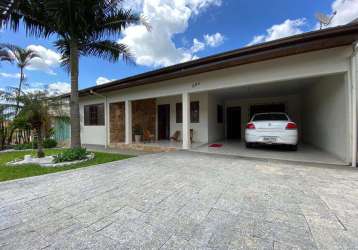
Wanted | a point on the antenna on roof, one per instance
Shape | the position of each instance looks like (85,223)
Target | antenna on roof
(324,20)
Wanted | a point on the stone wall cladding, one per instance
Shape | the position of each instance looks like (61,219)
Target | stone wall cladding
(117,122)
(144,114)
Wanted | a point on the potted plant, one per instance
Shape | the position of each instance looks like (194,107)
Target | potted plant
(138,132)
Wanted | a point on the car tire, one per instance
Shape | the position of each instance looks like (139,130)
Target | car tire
(293,147)
(248,145)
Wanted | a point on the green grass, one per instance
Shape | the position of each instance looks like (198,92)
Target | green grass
(16,172)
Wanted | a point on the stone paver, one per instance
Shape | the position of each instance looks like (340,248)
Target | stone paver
(183,200)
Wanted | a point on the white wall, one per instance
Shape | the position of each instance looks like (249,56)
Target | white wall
(216,131)
(92,134)
(326,115)
(292,103)
(201,128)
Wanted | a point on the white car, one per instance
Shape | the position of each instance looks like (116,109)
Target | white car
(271,128)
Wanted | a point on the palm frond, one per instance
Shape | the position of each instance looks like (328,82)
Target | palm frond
(108,50)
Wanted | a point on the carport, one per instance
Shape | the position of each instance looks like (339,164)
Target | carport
(319,106)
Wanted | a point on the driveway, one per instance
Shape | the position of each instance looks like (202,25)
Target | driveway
(183,200)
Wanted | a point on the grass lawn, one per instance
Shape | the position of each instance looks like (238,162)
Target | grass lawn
(15,172)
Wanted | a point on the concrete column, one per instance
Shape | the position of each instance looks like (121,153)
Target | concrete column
(128,122)
(353,88)
(186,120)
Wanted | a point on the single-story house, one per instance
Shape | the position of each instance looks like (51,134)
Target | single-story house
(311,76)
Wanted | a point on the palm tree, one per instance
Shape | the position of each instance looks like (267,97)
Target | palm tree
(5,55)
(37,109)
(83,28)
(22,58)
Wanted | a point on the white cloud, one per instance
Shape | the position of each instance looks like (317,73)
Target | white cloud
(48,62)
(53,89)
(197,46)
(102,80)
(347,11)
(214,40)
(8,75)
(287,28)
(167,18)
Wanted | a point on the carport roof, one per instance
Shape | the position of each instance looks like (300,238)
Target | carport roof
(306,42)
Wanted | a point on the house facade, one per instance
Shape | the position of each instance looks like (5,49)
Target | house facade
(312,77)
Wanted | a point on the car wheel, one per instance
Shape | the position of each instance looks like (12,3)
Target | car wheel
(248,145)
(293,147)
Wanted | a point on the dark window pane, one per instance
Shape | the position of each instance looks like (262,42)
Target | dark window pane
(179,112)
(94,115)
(220,114)
(270,117)
(194,112)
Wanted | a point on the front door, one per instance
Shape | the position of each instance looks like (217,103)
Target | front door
(163,122)
(233,115)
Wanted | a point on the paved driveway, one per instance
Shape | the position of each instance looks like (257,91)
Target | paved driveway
(183,199)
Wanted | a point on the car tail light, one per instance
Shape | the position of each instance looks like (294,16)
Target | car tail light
(250,126)
(291,125)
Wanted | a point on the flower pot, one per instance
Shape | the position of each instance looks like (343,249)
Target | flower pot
(137,138)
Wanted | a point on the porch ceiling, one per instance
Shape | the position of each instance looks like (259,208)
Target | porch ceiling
(281,88)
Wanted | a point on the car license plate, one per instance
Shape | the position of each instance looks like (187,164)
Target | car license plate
(269,139)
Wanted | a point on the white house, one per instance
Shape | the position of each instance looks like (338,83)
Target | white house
(312,77)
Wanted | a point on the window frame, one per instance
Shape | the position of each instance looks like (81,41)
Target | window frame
(89,119)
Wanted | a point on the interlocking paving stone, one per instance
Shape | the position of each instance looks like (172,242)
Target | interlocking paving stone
(183,200)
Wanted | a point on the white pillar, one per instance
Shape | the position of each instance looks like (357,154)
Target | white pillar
(186,120)
(354,79)
(128,122)
(107,121)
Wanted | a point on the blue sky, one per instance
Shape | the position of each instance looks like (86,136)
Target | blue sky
(182,30)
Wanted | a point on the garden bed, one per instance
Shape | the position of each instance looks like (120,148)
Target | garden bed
(27,170)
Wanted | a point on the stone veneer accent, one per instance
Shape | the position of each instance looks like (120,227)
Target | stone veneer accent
(142,147)
(117,122)
(144,114)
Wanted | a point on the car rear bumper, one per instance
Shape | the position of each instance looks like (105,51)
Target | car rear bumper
(286,138)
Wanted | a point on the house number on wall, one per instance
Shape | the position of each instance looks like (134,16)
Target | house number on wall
(195,84)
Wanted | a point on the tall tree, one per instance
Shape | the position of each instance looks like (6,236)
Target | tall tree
(83,28)
(22,57)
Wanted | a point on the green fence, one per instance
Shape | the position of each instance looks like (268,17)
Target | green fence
(62,130)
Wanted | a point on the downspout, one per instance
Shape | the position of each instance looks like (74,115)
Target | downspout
(106,114)
(354,103)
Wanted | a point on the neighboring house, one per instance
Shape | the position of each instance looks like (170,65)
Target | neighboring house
(312,77)
(60,125)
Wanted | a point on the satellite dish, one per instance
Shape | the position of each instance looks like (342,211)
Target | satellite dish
(324,19)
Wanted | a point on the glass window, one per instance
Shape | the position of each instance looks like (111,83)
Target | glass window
(194,112)
(94,115)
(270,117)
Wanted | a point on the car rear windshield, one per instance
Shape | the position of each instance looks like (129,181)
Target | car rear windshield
(270,117)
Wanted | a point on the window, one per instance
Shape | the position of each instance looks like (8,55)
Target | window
(179,113)
(220,114)
(270,117)
(94,115)
(194,112)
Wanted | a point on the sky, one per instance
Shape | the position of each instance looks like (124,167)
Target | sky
(181,30)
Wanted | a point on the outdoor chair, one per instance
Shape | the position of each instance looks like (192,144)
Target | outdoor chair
(148,136)
(175,136)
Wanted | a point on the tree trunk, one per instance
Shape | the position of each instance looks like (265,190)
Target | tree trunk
(74,105)
(40,149)
(22,78)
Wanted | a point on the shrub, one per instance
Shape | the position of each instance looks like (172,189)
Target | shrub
(47,143)
(50,143)
(74,154)
(24,146)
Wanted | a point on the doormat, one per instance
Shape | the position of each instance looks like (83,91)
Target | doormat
(215,145)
